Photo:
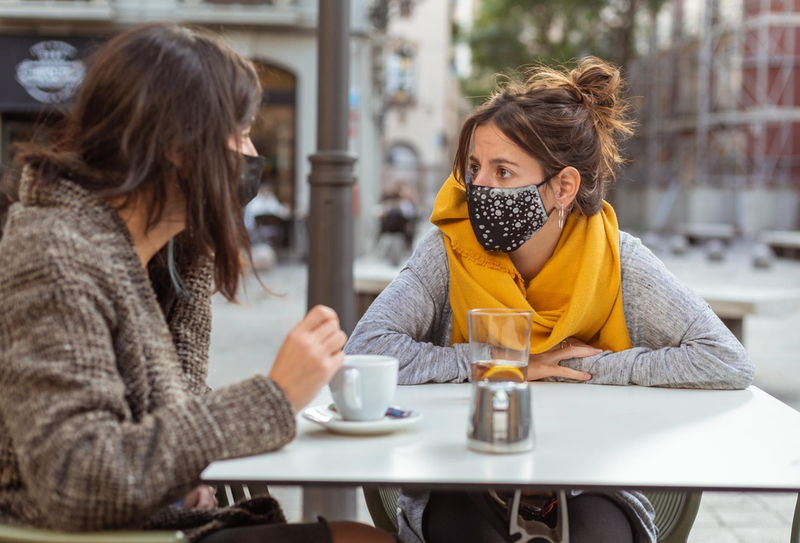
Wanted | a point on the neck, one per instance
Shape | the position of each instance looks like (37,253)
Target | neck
(534,254)
(149,242)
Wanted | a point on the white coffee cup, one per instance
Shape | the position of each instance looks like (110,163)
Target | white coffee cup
(364,386)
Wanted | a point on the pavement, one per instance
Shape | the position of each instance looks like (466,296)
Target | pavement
(246,338)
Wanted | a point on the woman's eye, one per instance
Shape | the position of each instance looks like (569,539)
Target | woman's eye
(503,173)
(474,169)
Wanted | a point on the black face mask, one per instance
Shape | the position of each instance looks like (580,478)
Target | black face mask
(504,218)
(250,178)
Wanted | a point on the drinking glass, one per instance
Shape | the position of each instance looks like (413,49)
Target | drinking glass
(499,344)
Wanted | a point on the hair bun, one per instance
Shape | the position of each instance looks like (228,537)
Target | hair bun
(599,82)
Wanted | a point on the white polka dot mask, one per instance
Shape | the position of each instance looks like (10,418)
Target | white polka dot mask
(504,218)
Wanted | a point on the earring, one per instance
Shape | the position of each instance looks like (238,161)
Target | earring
(561,218)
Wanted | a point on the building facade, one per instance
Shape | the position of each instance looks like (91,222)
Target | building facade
(718,101)
(424,103)
(45,45)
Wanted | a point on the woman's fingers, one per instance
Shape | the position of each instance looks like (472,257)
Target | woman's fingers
(580,352)
(324,331)
(318,315)
(334,342)
(569,373)
(207,499)
(569,343)
(191,498)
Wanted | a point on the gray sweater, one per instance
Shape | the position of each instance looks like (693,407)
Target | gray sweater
(677,342)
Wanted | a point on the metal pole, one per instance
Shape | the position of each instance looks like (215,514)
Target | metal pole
(330,259)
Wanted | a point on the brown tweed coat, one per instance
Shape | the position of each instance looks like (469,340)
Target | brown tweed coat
(105,417)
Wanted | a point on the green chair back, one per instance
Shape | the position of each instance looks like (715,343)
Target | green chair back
(675,512)
(226,495)
(382,505)
(13,534)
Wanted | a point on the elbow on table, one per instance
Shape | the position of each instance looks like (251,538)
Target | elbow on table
(742,368)
(743,375)
(737,373)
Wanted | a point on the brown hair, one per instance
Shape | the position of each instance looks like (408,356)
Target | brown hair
(562,118)
(155,96)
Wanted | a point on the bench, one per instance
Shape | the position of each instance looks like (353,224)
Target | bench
(702,231)
(785,243)
(370,277)
(733,303)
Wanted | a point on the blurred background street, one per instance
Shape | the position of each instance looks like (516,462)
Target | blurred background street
(712,184)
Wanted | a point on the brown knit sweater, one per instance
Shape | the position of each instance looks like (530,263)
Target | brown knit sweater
(105,417)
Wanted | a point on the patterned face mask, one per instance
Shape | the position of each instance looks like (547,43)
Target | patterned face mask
(504,218)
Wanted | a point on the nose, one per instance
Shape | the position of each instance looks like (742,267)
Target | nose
(484,180)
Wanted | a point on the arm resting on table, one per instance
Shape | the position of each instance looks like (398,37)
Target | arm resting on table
(677,339)
(400,323)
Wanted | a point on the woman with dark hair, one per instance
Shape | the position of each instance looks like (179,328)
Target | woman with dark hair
(118,229)
(523,224)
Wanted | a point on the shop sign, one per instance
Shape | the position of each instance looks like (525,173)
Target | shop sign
(54,75)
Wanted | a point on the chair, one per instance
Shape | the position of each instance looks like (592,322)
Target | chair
(13,534)
(230,494)
(226,495)
(675,512)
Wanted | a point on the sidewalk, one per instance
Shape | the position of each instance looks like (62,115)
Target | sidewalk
(246,338)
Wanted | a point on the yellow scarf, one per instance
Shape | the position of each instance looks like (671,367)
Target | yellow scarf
(577,294)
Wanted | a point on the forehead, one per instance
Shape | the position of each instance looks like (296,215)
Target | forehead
(489,142)
(489,138)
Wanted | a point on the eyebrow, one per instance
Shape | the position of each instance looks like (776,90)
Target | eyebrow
(496,161)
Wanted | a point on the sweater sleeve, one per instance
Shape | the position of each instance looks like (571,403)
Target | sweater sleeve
(84,456)
(677,339)
(190,324)
(404,320)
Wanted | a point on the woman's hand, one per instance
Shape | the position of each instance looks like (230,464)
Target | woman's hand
(309,356)
(543,365)
(201,497)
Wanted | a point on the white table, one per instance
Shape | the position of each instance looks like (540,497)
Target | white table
(587,436)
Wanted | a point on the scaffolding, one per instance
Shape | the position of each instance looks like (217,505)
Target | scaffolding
(719,106)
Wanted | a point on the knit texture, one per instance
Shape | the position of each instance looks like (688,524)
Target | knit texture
(677,342)
(105,416)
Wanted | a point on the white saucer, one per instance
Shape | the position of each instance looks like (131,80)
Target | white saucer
(333,422)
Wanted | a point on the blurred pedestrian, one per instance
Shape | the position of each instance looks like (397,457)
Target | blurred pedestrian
(398,214)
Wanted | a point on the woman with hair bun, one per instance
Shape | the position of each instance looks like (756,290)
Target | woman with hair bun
(541,154)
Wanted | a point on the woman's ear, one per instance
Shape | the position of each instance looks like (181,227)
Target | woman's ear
(566,185)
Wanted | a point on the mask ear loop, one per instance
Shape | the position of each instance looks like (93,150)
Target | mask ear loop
(177,282)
